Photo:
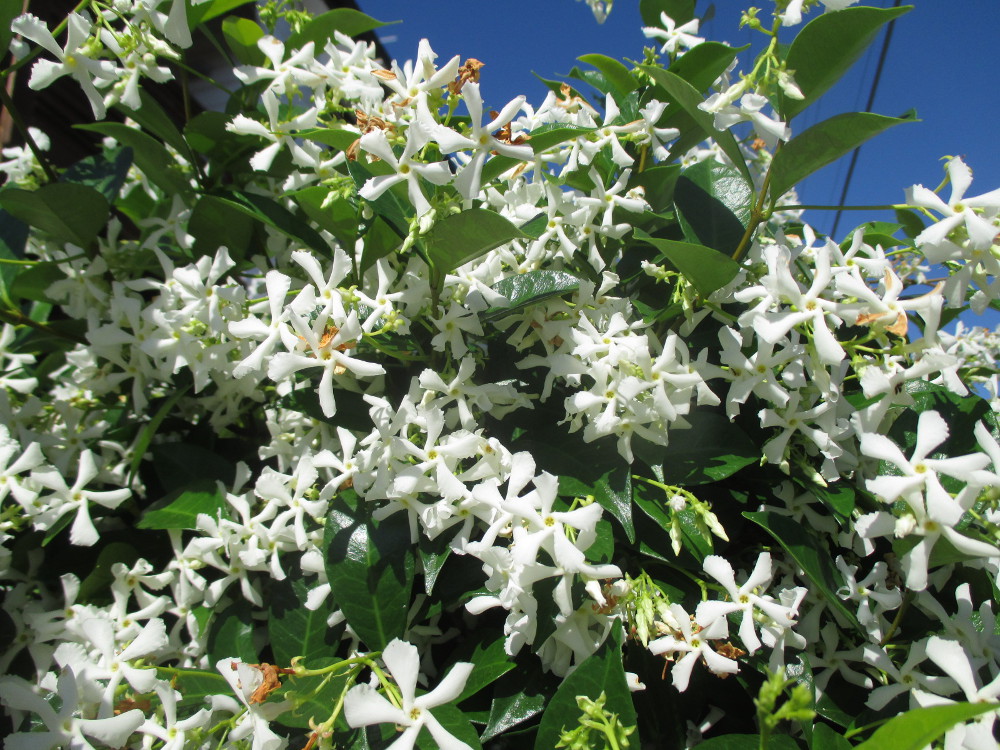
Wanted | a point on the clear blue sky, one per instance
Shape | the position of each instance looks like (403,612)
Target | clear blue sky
(941,62)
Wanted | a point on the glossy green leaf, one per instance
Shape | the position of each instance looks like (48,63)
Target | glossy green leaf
(706,268)
(198,14)
(812,556)
(911,221)
(152,118)
(178,464)
(701,66)
(688,97)
(13,238)
(457,239)
(713,204)
(826,737)
(104,172)
(827,46)
(434,553)
(918,728)
(180,509)
(370,565)
(338,138)
(151,156)
(66,211)
(544,138)
(658,185)
(613,71)
(510,710)
(824,143)
(242,35)
(268,211)
(338,216)
(602,672)
(456,723)
(345,20)
(531,288)
(490,659)
(9,10)
(231,633)
(612,490)
(680,11)
(293,629)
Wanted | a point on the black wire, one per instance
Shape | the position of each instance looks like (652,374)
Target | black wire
(868,108)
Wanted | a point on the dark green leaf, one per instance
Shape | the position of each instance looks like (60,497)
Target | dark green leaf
(339,138)
(918,728)
(312,697)
(370,566)
(9,10)
(826,47)
(706,268)
(826,737)
(510,710)
(242,36)
(146,436)
(198,14)
(345,20)
(602,672)
(713,204)
(104,172)
(812,556)
(381,240)
(544,138)
(66,211)
(180,509)
(216,223)
(13,238)
(911,222)
(96,587)
(337,216)
(614,72)
(179,464)
(490,659)
(701,66)
(688,97)
(231,633)
(824,143)
(528,289)
(293,629)
(681,11)
(457,239)
(434,553)
(960,412)
(612,490)
(731,742)
(155,120)
(269,211)
(151,156)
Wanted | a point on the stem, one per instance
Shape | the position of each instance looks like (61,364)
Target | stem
(898,618)
(17,319)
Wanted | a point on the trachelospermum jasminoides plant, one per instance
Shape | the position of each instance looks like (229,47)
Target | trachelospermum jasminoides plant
(372,412)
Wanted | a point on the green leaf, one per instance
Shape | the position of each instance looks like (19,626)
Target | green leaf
(681,11)
(337,216)
(154,119)
(706,268)
(701,66)
(731,742)
(602,672)
(812,556)
(96,587)
(517,696)
(198,14)
(713,204)
(105,172)
(9,10)
(370,566)
(826,737)
(180,509)
(179,464)
(434,553)
(311,697)
(269,211)
(526,289)
(345,20)
(826,47)
(920,727)
(658,184)
(293,629)
(195,685)
(216,223)
(242,36)
(688,97)
(64,210)
(490,659)
(151,156)
(13,238)
(459,238)
(824,143)
(231,633)
(146,436)
(546,137)
(614,72)
(612,490)
(381,240)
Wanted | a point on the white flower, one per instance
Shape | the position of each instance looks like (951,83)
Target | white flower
(364,705)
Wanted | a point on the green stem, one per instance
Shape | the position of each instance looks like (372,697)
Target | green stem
(17,319)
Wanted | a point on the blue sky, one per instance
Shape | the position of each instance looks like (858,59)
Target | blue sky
(941,62)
